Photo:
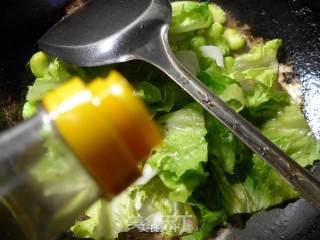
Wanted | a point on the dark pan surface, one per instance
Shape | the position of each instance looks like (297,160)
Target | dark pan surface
(297,22)
(21,24)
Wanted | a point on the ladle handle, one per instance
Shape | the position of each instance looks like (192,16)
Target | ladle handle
(305,183)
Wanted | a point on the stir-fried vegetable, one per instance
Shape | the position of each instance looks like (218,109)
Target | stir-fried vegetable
(201,174)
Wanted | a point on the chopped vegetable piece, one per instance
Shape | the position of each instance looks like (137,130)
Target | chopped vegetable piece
(214,53)
(218,15)
(39,64)
(234,39)
(189,16)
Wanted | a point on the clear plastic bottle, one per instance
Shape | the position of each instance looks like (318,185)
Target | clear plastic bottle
(74,151)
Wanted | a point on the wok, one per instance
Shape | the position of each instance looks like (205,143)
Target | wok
(297,22)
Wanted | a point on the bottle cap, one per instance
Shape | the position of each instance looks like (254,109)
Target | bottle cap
(108,128)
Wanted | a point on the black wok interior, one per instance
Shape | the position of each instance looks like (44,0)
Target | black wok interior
(297,22)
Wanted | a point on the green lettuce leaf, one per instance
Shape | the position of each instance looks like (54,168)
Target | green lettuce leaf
(144,207)
(157,208)
(172,97)
(222,143)
(267,109)
(95,223)
(181,156)
(261,55)
(290,131)
(265,75)
(256,93)
(220,83)
(229,152)
(263,187)
(189,16)
(209,220)
(148,92)
(149,82)
(219,16)
(257,73)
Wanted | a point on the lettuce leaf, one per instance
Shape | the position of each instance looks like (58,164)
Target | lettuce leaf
(261,55)
(256,94)
(184,150)
(172,97)
(222,144)
(220,83)
(189,16)
(219,16)
(147,92)
(265,75)
(158,92)
(144,207)
(209,220)
(257,73)
(263,187)
(95,222)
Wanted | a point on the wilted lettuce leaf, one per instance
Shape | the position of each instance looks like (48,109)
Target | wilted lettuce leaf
(257,72)
(290,131)
(256,94)
(147,92)
(261,55)
(222,143)
(156,207)
(141,206)
(172,97)
(268,109)
(220,83)
(209,220)
(215,77)
(184,150)
(149,82)
(219,16)
(265,75)
(189,16)
(95,223)
(263,187)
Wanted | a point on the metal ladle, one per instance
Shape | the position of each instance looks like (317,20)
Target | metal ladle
(111,31)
